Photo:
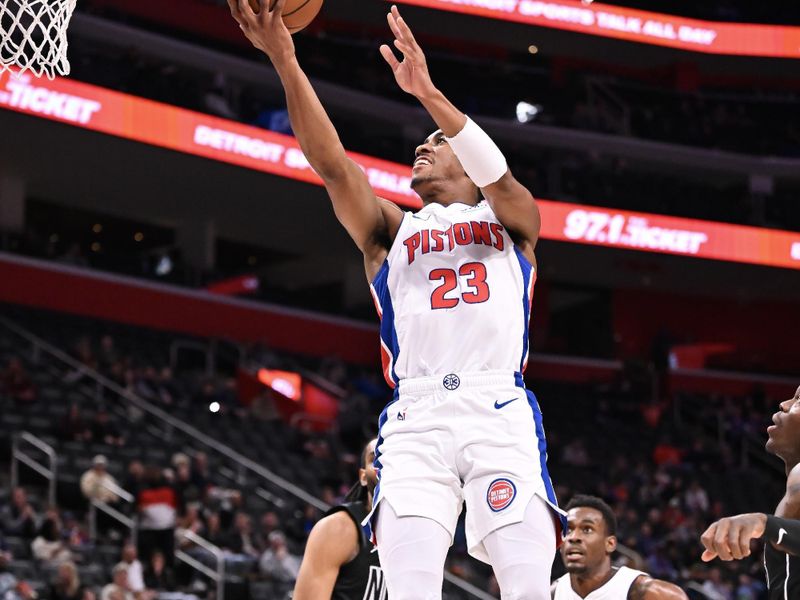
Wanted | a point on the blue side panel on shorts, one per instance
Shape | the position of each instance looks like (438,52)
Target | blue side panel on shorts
(369,521)
(542,444)
(527,272)
(388,331)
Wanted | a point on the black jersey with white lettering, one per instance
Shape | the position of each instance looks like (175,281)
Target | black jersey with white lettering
(783,574)
(361,578)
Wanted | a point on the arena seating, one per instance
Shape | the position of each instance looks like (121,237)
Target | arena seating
(668,467)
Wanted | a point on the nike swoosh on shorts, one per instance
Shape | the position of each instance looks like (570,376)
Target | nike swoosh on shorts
(499,405)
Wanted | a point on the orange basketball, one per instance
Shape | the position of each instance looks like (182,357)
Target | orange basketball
(296,14)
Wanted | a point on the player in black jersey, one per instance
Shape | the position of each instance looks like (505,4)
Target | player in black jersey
(339,562)
(729,538)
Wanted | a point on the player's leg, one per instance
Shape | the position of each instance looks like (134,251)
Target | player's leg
(502,461)
(521,554)
(412,551)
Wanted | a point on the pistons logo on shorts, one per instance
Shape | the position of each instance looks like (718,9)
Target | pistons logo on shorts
(501,494)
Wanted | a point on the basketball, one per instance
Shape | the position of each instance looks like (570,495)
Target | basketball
(297,14)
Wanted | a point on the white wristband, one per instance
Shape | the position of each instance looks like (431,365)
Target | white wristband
(479,155)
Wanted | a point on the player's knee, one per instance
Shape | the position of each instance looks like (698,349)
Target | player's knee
(525,581)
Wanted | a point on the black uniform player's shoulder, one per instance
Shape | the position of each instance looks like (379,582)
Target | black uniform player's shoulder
(346,516)
(360,578)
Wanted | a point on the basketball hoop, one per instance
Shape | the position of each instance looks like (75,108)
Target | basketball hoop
(33,36)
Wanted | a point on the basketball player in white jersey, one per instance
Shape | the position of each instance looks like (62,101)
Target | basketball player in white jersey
(453,286)
(586,552)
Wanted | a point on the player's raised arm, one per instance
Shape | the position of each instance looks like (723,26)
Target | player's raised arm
(482,160)
(367,219)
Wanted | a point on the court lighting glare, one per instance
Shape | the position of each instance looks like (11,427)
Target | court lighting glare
(164,266)
(527,112)
(214,407)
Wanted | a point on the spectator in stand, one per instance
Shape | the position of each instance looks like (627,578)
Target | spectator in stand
(276,562)
(666,453)
(15,382)
(108,356)
(696,498)
(18,517)
(135,479)
(242,540)
(104,431)
(67,585)
(73,530)
(12,588)
(158,576)
(119,588)
(184,485)
(134,567)
(157,505)
(74,428)
(200,472)
(269,523)
(191,519)
(48,546)
(575,454)
(214,532)
(168,389)
(96,483)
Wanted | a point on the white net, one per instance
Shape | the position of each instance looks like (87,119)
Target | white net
(33,36)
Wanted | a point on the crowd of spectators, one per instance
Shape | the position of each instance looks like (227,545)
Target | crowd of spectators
(666,479)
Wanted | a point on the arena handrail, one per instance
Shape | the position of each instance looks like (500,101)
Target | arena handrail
(39,344)
(218,575)
(19,456)
(346,100)
(95,505)
(147,407)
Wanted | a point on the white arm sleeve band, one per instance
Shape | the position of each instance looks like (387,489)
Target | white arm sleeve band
(479,155)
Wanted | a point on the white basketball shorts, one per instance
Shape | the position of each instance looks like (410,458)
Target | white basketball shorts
(474,437)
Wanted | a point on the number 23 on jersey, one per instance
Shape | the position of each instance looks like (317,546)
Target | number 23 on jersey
(477,290)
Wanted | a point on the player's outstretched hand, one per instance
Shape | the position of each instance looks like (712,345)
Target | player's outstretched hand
(412,72)
(729,538)
(265,29)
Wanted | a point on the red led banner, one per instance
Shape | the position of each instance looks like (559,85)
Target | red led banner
(133,118)
(633,25)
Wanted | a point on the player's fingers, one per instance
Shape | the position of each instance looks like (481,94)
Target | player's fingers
(277,7)
(408,51)
(244,9)
(389,56)
(233,5)
(745,535)
(390,18)
(721,541)
(708,535)
(734,542)
(405,30)
(708,555)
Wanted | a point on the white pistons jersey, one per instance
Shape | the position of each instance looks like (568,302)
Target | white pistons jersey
(454,294)
(616,588)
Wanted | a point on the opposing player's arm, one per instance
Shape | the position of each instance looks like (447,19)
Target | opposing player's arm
(512,202)
(367,219)
(647,588)
(332,542)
